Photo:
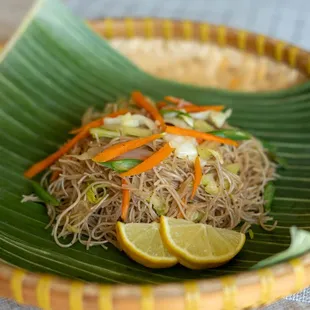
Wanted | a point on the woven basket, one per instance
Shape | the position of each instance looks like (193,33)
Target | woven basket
(200,54)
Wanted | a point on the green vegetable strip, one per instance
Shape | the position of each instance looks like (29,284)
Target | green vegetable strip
(43,194)
(121,165)
(233,134)
(268,195)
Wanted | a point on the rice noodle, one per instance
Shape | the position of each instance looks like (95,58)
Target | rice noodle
(239,198)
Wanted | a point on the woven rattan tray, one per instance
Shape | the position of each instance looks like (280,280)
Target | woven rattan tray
(202,54)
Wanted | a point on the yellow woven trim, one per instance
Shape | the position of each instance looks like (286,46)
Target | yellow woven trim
(260,45)
(76,296)
(187,30)
(167,29)
(267,283)
(149,28)
(129,25)
(279,49)
(108,28)
(192,296)
(242,38)
(204,32)
(299,271)
(221,35)
(147,299)
(17,285)
(229,293)
(105,298)
(292,55)
(43,292)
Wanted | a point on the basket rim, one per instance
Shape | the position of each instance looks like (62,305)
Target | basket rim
(272,283)
(204,32)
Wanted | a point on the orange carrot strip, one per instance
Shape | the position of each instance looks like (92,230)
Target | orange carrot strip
(198,176)
(150,162)
(190,107)
(99,122)
(124,147)
(142,102)
(173,100)
(161,104)
(43,164)
(197,134)
(55,175)
(194,108)
(125,201)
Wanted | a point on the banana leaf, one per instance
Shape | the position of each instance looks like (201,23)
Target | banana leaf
(52,70)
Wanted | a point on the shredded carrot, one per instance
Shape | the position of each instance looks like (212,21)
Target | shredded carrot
(124,147)
(197,134)
(99,122)
(142,102)
(161,104)
(194,108)
(125,201)
(55,175)
(45,163)
(198,176)
(190,107)
(150,162)
(173,100)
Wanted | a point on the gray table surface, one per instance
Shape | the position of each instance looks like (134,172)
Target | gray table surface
(283,19)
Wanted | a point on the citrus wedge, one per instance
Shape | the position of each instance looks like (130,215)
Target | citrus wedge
(199,246)
(142,243)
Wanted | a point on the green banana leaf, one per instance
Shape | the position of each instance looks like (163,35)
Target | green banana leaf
(51,71)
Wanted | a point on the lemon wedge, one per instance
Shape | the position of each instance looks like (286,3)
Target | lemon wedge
(142,243)
(199,246)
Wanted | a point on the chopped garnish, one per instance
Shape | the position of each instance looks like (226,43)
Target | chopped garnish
(44,195)
(219,118)
(102,132)
(124,147)
(99,122)
(142,102)
(268,195)
(234,134)
(158,205)
(125,200)
(233,168)
(202,126)
(199,135)
(121,165)
(136,131)
(45,163)
(251,233)
(91,197)
(198,176)
(210,184)
(150,162)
